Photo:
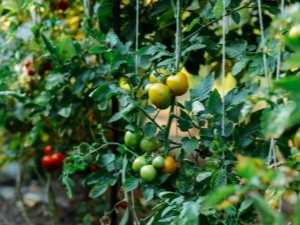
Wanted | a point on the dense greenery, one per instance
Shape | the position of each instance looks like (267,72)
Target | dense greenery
(80,77)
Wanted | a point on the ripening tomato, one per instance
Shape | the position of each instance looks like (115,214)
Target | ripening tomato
(153,78)
(158,162)
(123,84)
(148,173)
(170,166)
(48,150)
(149,144)
(132,138)
(30,72)
(94,168)
(160,95)
(138,163)
(293,38)
(47,162)
(57,159)
(297,139)
(178,84)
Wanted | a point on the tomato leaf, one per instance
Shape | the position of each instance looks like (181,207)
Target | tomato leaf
(201,91)
(105,182)
(148,192)
(236,17)
(236,48)
(202,176)
(149,129)
(131,183)
(214,104)
(122,113)
(189,144)
(246,203)
(218,178)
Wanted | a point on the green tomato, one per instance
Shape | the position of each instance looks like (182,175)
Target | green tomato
(149,144)
(158,162)
(138,163)
(132,139)
(297,139)
(148,173)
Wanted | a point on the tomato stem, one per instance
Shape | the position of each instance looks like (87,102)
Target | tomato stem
(169,124)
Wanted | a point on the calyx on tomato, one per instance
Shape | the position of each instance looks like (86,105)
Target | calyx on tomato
(160,95)
(153,78)
(149,144)
(178,84)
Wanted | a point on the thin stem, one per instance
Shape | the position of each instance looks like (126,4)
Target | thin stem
(51,199)
(178,35)
(168,127)
(136,35)
(151,119)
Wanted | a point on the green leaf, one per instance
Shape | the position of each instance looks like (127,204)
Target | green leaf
(43,99)
(166,19)
(122,113)
(131,183)
(49,45)
(14,94)
(275,121)
(148,192)
(290,84)
(240,64)
(192,24)
(97,35)
(149,129)
(12,6)
(185,181)
(53,80)
(189,144)
(185,123)
(97,49)
(214,105)
(235,48)
(195,5)
(34,133)
(65,112)
(151,49)
(201,91)
(190,211)
(125,217)
(296,215)
(236,17)
(66,48)
(111,38)
(104,183)
(218,178)
(267,215)
(256,66)
(218,9)
(245,205)
(105,9)
(202,176)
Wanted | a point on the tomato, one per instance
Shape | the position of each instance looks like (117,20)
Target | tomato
(30,72)
(148,173)
(149,144)
(132,139)
(123,205)
(47,162)
(57,159)
(178,84)
(138,163)
(297,139)
(169,165)
(160,95)
(63,5)
(293,38)
(147,87)
(295,31)
(158,162)
(153,78)
(94,168)
(123,84)
(27,63)
(48,149)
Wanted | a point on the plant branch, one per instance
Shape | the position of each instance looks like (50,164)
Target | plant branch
(169,124)
(149,117)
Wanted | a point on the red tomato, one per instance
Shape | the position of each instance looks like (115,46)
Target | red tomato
(94,168)
(48,149)
(123,205)
(30,72)
(57,159)
(48,163)
(27,63)
(63,5)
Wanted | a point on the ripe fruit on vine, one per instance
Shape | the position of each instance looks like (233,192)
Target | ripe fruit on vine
(57,159)
(94,168)
(158,162)
(149,144)
(30,72)
(132,138)
(63,5)
(297,139)
(47,162)
(138,163)
(148,173)
(48,150)
(27,63)
(169,166)
(155,73)
(160,95)
(123,205)
(178,84)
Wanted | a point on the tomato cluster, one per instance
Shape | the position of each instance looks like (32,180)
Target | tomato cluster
(148,172)
(136,139)
(51,161)
(163,86)
(30,70)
